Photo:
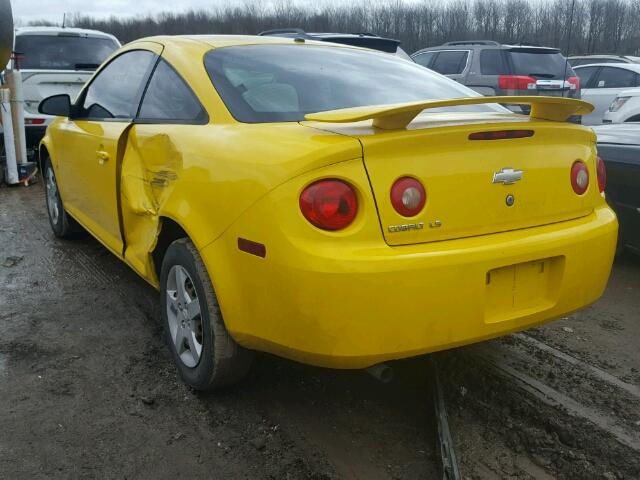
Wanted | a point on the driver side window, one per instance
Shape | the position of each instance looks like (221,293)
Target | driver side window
(115,92)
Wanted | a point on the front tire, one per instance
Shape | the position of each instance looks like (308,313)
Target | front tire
(204,352)
(62,224)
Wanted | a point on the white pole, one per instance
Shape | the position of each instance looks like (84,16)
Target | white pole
(9,145)
(14,82)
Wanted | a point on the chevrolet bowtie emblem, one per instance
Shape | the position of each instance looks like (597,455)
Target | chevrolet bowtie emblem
(507,176)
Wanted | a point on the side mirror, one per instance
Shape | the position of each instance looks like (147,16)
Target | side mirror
(58,105)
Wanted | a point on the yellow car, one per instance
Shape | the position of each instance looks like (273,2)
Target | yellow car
(330,204)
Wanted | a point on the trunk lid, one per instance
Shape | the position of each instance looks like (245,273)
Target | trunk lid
(469,182)
(42,84)
(463,179)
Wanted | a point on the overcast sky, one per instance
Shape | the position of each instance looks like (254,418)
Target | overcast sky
(29,10)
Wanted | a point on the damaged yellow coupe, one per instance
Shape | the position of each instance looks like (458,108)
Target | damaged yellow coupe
(329,204)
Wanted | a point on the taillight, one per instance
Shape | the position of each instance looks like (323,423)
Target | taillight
(408,196)
(329,204)
(516,82)
(34,121)
(574,82)
(579,177)
(601,170)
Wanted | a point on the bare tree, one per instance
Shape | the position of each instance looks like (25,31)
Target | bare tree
(609,26)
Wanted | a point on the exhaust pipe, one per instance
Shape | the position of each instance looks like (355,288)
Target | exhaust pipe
(381,372)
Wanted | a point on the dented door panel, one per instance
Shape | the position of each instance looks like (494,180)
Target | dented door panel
(201,179)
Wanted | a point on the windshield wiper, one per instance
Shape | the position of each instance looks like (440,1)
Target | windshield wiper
(86,66)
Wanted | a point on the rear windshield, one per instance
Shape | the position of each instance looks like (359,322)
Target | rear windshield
(541,63)
(62,52)
(271,83)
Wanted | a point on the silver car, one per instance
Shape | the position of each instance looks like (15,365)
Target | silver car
(491,68)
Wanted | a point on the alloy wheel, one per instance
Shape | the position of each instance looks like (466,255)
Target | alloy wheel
(184,315)
(52,196)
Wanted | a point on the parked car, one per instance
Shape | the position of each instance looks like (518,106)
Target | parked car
(576,60)
(365,40)
(602,82)
(491,68)
(270,189)
(624,108)
(619,146)
(55,60)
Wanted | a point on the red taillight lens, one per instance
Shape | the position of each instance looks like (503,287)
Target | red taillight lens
(516,82)
(329,204)
(408,196)
(601,170)
(34,121)
(575,82)
(579,177)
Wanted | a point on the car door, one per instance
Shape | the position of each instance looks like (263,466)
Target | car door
(103,113)
(623,187)
(603,88)
(159,145)
(483,77)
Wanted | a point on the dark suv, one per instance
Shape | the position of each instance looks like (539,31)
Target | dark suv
(365,40)
(491,68)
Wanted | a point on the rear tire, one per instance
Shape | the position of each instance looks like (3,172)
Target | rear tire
(62,224)
(204,352)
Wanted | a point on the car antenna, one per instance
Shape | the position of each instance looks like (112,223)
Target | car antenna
(566,59)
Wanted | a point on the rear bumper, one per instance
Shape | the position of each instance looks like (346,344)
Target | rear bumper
(351,308)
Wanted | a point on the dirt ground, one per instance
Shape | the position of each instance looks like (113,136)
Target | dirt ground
(88,390)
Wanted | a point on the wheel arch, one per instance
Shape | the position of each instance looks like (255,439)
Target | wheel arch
(169,230)
(43,153)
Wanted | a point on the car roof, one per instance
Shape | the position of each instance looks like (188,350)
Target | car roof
(54,31)
(470,44)
(627,58)
(359,39)
(626,66)
(220,41)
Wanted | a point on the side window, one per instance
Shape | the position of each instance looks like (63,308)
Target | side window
(450,62)
(169,98)
(585,74)
(116,91)
(424,59)
(611,77)
(492,62)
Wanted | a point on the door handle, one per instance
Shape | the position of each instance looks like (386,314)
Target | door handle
(102,156)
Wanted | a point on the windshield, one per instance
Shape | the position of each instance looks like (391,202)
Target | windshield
(542,64)
(62,52)
(271,83)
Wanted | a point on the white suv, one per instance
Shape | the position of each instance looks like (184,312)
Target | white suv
(625,108)
(55,60)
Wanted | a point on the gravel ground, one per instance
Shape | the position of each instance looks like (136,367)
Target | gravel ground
(88,390)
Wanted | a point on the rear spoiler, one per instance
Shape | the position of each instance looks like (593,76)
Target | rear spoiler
(398,116)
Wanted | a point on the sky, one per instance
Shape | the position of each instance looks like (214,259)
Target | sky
(25,11)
